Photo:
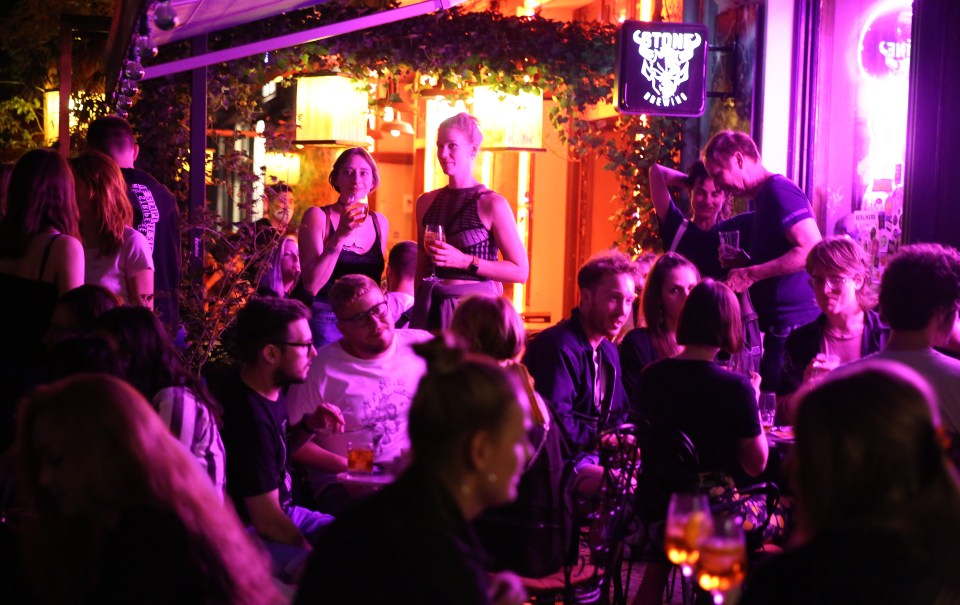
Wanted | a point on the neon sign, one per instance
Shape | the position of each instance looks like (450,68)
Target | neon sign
(661,68)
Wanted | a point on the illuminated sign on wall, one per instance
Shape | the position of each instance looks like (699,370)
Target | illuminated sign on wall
(661,69)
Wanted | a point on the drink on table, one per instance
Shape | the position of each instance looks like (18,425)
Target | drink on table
(359,458)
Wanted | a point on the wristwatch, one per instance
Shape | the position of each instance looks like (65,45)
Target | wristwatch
(474,266)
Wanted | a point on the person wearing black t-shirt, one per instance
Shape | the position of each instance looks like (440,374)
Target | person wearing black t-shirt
(276,348)
(784,230)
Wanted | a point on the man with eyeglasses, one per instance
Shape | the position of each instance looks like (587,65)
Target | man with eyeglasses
(370,374)
(275,346)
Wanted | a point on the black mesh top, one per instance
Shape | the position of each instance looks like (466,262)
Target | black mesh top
(456,210)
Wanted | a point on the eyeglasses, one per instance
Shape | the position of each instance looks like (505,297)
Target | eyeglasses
(833,283)
(378,310)
(305,345)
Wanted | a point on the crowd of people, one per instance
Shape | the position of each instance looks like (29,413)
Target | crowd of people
(129,478)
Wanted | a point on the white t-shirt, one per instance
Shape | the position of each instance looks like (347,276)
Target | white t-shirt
(943,374)
(112,272)
(373,394)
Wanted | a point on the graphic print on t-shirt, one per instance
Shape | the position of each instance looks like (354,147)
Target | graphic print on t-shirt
(142,200)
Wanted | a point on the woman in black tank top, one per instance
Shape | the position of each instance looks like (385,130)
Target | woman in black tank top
(478,224)
(341,239)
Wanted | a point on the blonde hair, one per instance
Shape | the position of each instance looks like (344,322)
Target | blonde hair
(835,255)
(465,123)
(110,207)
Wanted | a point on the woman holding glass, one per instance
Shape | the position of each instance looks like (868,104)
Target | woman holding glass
(848,328)
(468,225)
(341,239)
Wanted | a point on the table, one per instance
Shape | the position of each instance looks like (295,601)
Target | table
(364,484)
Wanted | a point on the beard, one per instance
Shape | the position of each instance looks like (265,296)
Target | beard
(284,378)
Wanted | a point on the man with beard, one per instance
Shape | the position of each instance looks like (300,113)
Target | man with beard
(574,364)
(370,374)
(276,348)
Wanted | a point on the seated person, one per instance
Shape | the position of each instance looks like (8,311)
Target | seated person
(116,511)
(76,310)
(848,328)
(401,271)
(526,536)
(371,374)
(716,408)
(274,340)
(670,280)
(412,542)
(876,497)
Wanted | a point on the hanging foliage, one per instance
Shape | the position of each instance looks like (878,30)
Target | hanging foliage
(571,61)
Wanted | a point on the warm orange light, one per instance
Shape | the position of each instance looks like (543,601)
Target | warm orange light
(331,110)
(513,122)
(645,10)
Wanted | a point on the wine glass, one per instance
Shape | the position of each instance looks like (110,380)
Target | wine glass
(432,233)
(723,558)
(688,520)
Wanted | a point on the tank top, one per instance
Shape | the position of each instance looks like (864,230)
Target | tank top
(456,210)
(370,263)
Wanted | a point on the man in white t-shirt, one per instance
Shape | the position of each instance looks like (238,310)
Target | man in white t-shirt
(371,374)
(919,297)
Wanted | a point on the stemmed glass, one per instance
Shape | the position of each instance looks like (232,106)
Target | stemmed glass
(723,558)
(432,233)
(688,520)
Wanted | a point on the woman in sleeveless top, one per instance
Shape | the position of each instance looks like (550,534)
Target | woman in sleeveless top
(118,257)
(478,223)
(40,258)
(341,239)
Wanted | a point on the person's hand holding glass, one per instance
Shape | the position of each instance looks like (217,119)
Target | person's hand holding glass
(432,234)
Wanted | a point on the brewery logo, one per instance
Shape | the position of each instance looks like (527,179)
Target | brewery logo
(666,64)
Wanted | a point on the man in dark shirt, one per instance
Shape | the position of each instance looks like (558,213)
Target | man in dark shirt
(276,349)
(155,213)
(784,231)
(575,366)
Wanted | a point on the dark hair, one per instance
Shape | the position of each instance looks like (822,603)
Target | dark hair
(711,317)
(127,460)
(348,289)
(725,143)
(868,455)
(459,396)
(697,174)
(489,325)
(88,302)
(110,135)
(346,155)
(651,300)
(836,255)
(149,361)
(265,320)
(919,282)
(602,264)
(41,195)
(6,170)
(402,258)
(83,353)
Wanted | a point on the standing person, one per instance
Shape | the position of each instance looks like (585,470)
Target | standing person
(155,213)
(696,238)
(116,512)
(117,256)
(149,362)
(783,232)
(670,281)
(341,239)
(574,364)
(877,500)
(848,327)
(273,338)
(412,541)
(41,257)
(477,224)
